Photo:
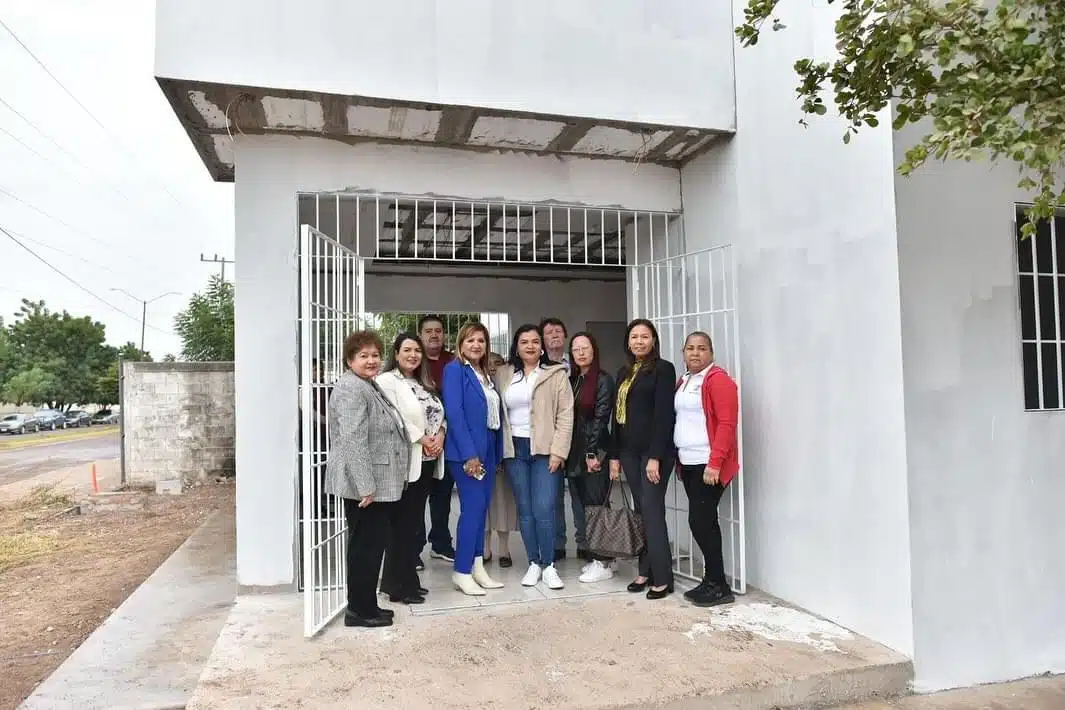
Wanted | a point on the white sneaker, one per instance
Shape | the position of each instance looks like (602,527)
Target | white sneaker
(596,572)
(532,576)
(551,578)
(588,566)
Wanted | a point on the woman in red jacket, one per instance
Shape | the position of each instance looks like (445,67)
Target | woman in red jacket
(707,405)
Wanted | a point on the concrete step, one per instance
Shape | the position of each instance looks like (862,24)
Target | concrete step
(589,650)
(1040,693)
(149,653)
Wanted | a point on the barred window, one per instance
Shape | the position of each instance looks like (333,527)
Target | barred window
(1041,281)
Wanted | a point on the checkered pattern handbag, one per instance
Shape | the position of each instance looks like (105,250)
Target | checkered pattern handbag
(614,532)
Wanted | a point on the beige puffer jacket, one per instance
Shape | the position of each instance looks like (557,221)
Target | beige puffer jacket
(552,411)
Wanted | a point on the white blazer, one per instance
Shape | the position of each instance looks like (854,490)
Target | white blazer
(403,397)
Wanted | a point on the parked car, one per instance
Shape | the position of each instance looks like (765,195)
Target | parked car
(51,419)
(105,416)
(18,424)
(78,418)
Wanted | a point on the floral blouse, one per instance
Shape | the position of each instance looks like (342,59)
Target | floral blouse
(434,410)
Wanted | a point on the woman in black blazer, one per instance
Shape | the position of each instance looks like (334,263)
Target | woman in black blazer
(642,446)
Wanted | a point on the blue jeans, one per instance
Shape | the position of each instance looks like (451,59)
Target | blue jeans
(535,496)
(474,497)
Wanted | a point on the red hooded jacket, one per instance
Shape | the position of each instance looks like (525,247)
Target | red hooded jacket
(721,405)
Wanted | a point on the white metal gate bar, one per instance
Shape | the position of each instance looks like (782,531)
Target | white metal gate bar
(681,294)
(410,228)
(331,279)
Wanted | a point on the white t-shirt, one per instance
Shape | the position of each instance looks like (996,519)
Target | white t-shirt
(491,399)
(519,403)
(689,434)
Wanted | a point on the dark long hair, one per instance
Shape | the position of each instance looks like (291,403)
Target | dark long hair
(514,360)
(423,375)
(590,381)
(652,358)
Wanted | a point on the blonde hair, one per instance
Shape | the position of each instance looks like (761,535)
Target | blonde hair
(465,333)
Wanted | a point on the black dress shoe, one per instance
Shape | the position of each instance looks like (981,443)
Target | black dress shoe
(712,595)
(635,587)
(422,591)
(407,599)
(373,622)
(660,593)
(386,613)
(506,561)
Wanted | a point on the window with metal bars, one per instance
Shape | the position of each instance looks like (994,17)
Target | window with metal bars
(1041,283)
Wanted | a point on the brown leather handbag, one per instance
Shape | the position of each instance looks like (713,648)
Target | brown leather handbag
(614,532)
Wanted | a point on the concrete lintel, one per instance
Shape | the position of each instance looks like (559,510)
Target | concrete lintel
(569,136)
(456,125)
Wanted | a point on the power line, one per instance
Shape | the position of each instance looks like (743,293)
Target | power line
(74,281)
(72,228)
(89,113)
(71,254)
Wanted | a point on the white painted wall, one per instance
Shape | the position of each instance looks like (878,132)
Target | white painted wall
(655,61)
(812,221)
(986,487)
(270,170)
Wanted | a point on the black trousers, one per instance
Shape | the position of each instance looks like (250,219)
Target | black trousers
(702,519)
(368,533)
(593,489)
(656,562)
(400,576)
(439,513)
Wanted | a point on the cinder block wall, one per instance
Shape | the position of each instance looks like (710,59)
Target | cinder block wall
(178,422)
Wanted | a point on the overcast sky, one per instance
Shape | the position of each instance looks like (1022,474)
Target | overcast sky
(130,204)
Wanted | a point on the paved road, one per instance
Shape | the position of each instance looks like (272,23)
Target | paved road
(19,464)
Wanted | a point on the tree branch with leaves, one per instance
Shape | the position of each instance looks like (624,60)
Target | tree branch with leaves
(205,326)
(989,80)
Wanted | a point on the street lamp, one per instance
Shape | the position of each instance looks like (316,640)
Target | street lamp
(144,307)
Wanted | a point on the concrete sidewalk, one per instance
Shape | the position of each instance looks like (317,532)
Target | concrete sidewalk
(149,653)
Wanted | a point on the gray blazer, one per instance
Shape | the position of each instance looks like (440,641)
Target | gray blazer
(369,452)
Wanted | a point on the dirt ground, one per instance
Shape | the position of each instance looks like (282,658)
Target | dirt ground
(62,573)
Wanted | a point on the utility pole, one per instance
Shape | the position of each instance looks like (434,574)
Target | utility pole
(144,307)
(217,260)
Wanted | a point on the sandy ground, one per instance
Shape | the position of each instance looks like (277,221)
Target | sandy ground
(61,573)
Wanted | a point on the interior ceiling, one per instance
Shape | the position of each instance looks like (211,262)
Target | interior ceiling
(213,113)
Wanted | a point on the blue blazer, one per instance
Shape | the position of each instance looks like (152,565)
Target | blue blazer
(466,411)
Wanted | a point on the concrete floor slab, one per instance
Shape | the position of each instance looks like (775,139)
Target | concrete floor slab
(609,651)
(149,653)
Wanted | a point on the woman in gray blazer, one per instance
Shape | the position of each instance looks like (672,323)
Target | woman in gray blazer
(367,468)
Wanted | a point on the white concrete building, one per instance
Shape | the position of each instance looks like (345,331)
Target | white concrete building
(903,424)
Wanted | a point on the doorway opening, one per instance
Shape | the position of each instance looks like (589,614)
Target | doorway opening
(367,259)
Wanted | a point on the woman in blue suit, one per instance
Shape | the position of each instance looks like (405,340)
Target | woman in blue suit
(473,450)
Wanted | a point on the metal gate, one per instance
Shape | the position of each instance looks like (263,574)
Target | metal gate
(331,279)
(680,294)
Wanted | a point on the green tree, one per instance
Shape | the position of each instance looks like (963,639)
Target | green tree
(70,351)
(132,353)
(107,386)
(31,386)
(988,79)
(206,324)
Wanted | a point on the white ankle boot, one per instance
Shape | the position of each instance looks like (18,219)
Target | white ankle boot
(480,575)
(465,584)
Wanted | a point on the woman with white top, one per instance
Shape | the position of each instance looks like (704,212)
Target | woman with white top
(538,426)
(707,406)
(473,449)
(409,385)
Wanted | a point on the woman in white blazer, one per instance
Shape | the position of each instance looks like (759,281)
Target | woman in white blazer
(409,386)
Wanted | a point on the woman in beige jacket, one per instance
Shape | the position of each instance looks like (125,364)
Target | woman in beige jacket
(537,432)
